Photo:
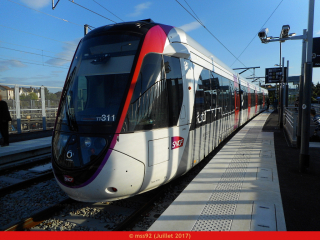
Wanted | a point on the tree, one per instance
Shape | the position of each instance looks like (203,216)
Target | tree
(51,96)
(24,97)
(315,91)
(33,96)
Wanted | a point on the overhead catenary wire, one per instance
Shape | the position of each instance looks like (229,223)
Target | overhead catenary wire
(26,46)
(19,58)
(255,35)
(12,49)
(46,13)
(108,10)
(192,11)
(33,63)
(91,11)
(38,35)
(210,32)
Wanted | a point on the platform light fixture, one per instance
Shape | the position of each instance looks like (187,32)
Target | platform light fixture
(285,31)
(284,35)
(263,34)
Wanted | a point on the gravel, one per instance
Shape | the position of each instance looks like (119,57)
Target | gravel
(86,217)
(21,204)
(80,216)
(4,184)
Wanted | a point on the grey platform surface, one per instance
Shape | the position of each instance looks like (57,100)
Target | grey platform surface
(238,190)
(25,146)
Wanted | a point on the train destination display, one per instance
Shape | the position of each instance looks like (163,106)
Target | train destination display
(274,75)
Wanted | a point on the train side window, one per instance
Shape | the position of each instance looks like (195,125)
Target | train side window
(149,105)
(175,90)
(158,95)
(253,98)
(226,89)
(205,78)
(82,93)
(232,89)
(215,88)
(245,97)
(221,94)
(149,74)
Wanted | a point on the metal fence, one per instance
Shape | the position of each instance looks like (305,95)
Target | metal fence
(32,108)
(316,107)
(290,123)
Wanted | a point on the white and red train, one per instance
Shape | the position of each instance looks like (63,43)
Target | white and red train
(143,103)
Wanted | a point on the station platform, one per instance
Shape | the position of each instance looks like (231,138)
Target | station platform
(25,149)
(238,190)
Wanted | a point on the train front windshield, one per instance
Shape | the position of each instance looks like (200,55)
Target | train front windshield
(98,79)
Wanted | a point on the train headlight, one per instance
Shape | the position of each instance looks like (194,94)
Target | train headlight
(99,143)
(87,142)
(64,139)
(91,147)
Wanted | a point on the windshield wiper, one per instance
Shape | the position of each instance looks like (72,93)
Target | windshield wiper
(71,119)
(72,122)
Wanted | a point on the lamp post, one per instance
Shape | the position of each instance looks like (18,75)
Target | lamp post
(304,121)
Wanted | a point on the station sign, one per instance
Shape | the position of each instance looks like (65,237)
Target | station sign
(274,75)
(316,52)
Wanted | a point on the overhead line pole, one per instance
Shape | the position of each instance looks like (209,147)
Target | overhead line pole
(306,101)
(303,61)
(54,5)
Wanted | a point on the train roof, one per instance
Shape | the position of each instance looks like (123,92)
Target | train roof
(179,35)
(175,35)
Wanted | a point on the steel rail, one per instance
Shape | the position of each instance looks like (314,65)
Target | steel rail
(25,184)
(37,217)
(136,215)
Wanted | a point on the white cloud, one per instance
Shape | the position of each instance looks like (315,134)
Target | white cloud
(6,64)
(190,26)
(37,3)
(67,54)
(139,9)
(318,32)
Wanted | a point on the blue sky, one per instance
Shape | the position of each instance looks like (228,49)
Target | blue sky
(36,49)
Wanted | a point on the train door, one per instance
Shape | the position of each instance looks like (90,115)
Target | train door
(263,100)
(232,104)
(214,90)
(209,118)
(189,91)
(241,104)
(256,101)
(205,128)
(198,115)
(237,101)
(249,102)
(186,159)
(224,90)
(218,112)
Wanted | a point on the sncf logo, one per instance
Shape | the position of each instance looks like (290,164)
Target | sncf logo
(68,178)
(176,142)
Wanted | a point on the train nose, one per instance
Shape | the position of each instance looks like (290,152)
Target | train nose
(120,176)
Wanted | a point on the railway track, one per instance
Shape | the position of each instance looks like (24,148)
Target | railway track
(37,217)
(25,183)
(24,163)
(13,178)
(133,214)
(136,213)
